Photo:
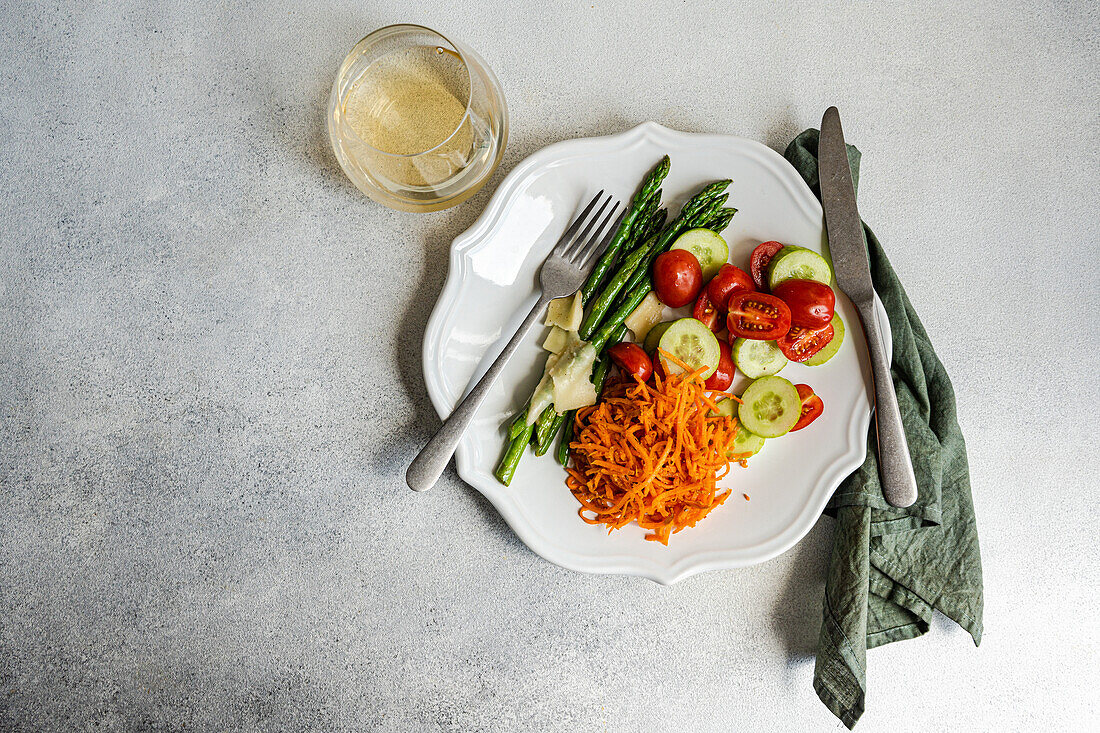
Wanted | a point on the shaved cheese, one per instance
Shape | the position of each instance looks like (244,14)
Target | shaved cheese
(565,313)
(541,399)
(555,340)
(574,389)
(572,375)
(645,316)
(543,395)
(557,311)
(567,379)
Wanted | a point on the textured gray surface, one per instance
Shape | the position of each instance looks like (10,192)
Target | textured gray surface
(210,380)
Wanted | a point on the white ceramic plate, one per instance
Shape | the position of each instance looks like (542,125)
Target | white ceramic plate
(492,285)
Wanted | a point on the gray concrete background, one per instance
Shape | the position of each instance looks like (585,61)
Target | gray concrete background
(210,381)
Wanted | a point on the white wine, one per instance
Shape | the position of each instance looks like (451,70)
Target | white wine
(412,102)
(416,120)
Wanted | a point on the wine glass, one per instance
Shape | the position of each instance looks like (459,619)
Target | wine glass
(418,122)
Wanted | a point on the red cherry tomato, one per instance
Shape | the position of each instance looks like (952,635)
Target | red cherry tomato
(722,378)
(799,344)
(811,303)
(757,316)
(632,359)
(758,262)
(706,312)
(728,281)
(677,277)
(812,406)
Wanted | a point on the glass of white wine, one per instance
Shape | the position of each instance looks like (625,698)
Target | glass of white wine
(418,122)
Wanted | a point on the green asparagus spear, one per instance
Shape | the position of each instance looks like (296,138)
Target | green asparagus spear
(636,294)
(720,220)
(703,209)
(519,422)
(690,212)
(643,226)
(562,454)
(653,226)
(636,267)
(543,425)
(649,208)
(641,232)
(630,265)
(650,184)
(631,301)
(510,461)
(696,220)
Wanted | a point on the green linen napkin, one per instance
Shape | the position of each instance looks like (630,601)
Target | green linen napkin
(891,567)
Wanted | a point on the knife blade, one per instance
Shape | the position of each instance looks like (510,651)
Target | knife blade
(852,269)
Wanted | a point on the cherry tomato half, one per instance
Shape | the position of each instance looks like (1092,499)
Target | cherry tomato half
(728,281)
(722,378)
(758,316)
(811,303)
(758,262)
(799,344)
(812,406)
(706,312)
(632,360)
(677,277)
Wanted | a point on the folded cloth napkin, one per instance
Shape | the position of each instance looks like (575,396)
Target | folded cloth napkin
(891,567)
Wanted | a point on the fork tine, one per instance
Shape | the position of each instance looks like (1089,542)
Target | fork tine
(599,244)
(581,246)
(582,238)
(580,249)
(567,235)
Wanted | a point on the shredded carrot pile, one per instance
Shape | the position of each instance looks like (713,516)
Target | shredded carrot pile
(651,454)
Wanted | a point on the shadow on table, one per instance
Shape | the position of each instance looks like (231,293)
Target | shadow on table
(796,615)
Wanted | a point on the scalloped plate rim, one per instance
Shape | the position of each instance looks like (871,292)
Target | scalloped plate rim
(480,233)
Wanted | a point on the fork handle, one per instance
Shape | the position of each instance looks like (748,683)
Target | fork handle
(433,458)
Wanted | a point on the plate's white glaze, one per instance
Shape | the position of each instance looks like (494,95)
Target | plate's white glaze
(492,284)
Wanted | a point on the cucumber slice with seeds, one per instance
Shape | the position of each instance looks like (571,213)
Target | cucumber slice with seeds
(708,247)
(757,359)
(798,263)
(770,407)
(692,343)
(829,350)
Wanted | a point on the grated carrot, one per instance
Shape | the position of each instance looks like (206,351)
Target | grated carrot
(651,454)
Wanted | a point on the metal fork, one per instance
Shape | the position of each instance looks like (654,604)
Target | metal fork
(562,274)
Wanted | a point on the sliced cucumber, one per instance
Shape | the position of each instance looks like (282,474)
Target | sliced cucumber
(707,246)
(770,407)
(829,350)
(757,359)
(726,407)
(692,343)
(798,263)
(653,338)
(745,442)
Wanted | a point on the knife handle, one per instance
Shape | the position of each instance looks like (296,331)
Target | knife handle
(895,467)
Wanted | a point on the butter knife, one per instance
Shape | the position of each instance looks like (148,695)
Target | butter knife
(853,275)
